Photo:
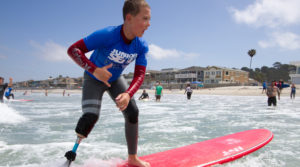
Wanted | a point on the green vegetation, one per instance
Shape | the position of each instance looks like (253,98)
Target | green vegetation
(277,72)
(251,53)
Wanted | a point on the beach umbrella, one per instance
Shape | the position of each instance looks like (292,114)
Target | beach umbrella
(196,82)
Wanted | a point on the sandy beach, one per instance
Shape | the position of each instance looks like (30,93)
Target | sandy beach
(232,91)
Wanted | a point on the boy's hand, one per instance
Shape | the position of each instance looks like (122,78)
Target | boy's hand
(122,101)
(103,74)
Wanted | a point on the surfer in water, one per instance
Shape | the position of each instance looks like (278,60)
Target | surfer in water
(8,93)
(3,86)
(144,95)
(114,48)
(272,90)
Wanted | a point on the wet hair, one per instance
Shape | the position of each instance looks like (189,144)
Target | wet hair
(133,7)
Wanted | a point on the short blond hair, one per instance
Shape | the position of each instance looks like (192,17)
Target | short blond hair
(133,7)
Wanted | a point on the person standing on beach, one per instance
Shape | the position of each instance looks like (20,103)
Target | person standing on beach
(158,91)
(272,90)
(114,48)
(293,91)
(264,87)
(188,91)
(3,86)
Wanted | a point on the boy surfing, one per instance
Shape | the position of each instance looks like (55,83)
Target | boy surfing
(113,49)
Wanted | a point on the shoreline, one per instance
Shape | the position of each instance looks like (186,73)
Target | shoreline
(231,90)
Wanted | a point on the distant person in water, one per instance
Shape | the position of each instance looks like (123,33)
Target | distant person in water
(144,95)
(188,91)
(264,87)
(293,91)
(9,94)
(3,86)
(158,91)
(272,91)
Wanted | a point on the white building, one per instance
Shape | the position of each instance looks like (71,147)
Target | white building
(295,78)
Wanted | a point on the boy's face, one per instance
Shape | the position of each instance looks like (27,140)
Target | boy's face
(140,22)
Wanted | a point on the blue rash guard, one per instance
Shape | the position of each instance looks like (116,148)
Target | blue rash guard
(8,92)
(109,47)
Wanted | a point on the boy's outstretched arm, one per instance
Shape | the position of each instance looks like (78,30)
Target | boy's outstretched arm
(77,53)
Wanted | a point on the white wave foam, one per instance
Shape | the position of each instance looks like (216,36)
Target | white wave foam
(92,162)
(10,116)
(114,162)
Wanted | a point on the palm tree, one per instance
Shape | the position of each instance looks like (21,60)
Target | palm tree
(251,53)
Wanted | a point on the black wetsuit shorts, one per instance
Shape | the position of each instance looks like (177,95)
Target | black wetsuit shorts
(91,104)
(272,100)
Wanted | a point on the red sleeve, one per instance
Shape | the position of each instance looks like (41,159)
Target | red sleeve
(137,81)
(77,53)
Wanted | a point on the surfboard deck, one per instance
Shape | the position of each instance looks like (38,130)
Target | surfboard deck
(211,152)
(22,100)
(144,99)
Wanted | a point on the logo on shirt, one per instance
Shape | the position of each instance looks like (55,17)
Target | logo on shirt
(121,57)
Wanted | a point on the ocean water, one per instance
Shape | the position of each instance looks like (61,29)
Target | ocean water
(38,133)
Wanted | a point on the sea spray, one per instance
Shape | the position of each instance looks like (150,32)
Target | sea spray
(10,116)
(48,133)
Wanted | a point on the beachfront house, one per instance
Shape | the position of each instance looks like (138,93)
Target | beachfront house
(222,75)
(171,77)
(190,74)
(295,78)
(175,78)
(178,78)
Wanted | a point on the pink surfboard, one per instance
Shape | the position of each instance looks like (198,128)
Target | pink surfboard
(211,152)
(22,100)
